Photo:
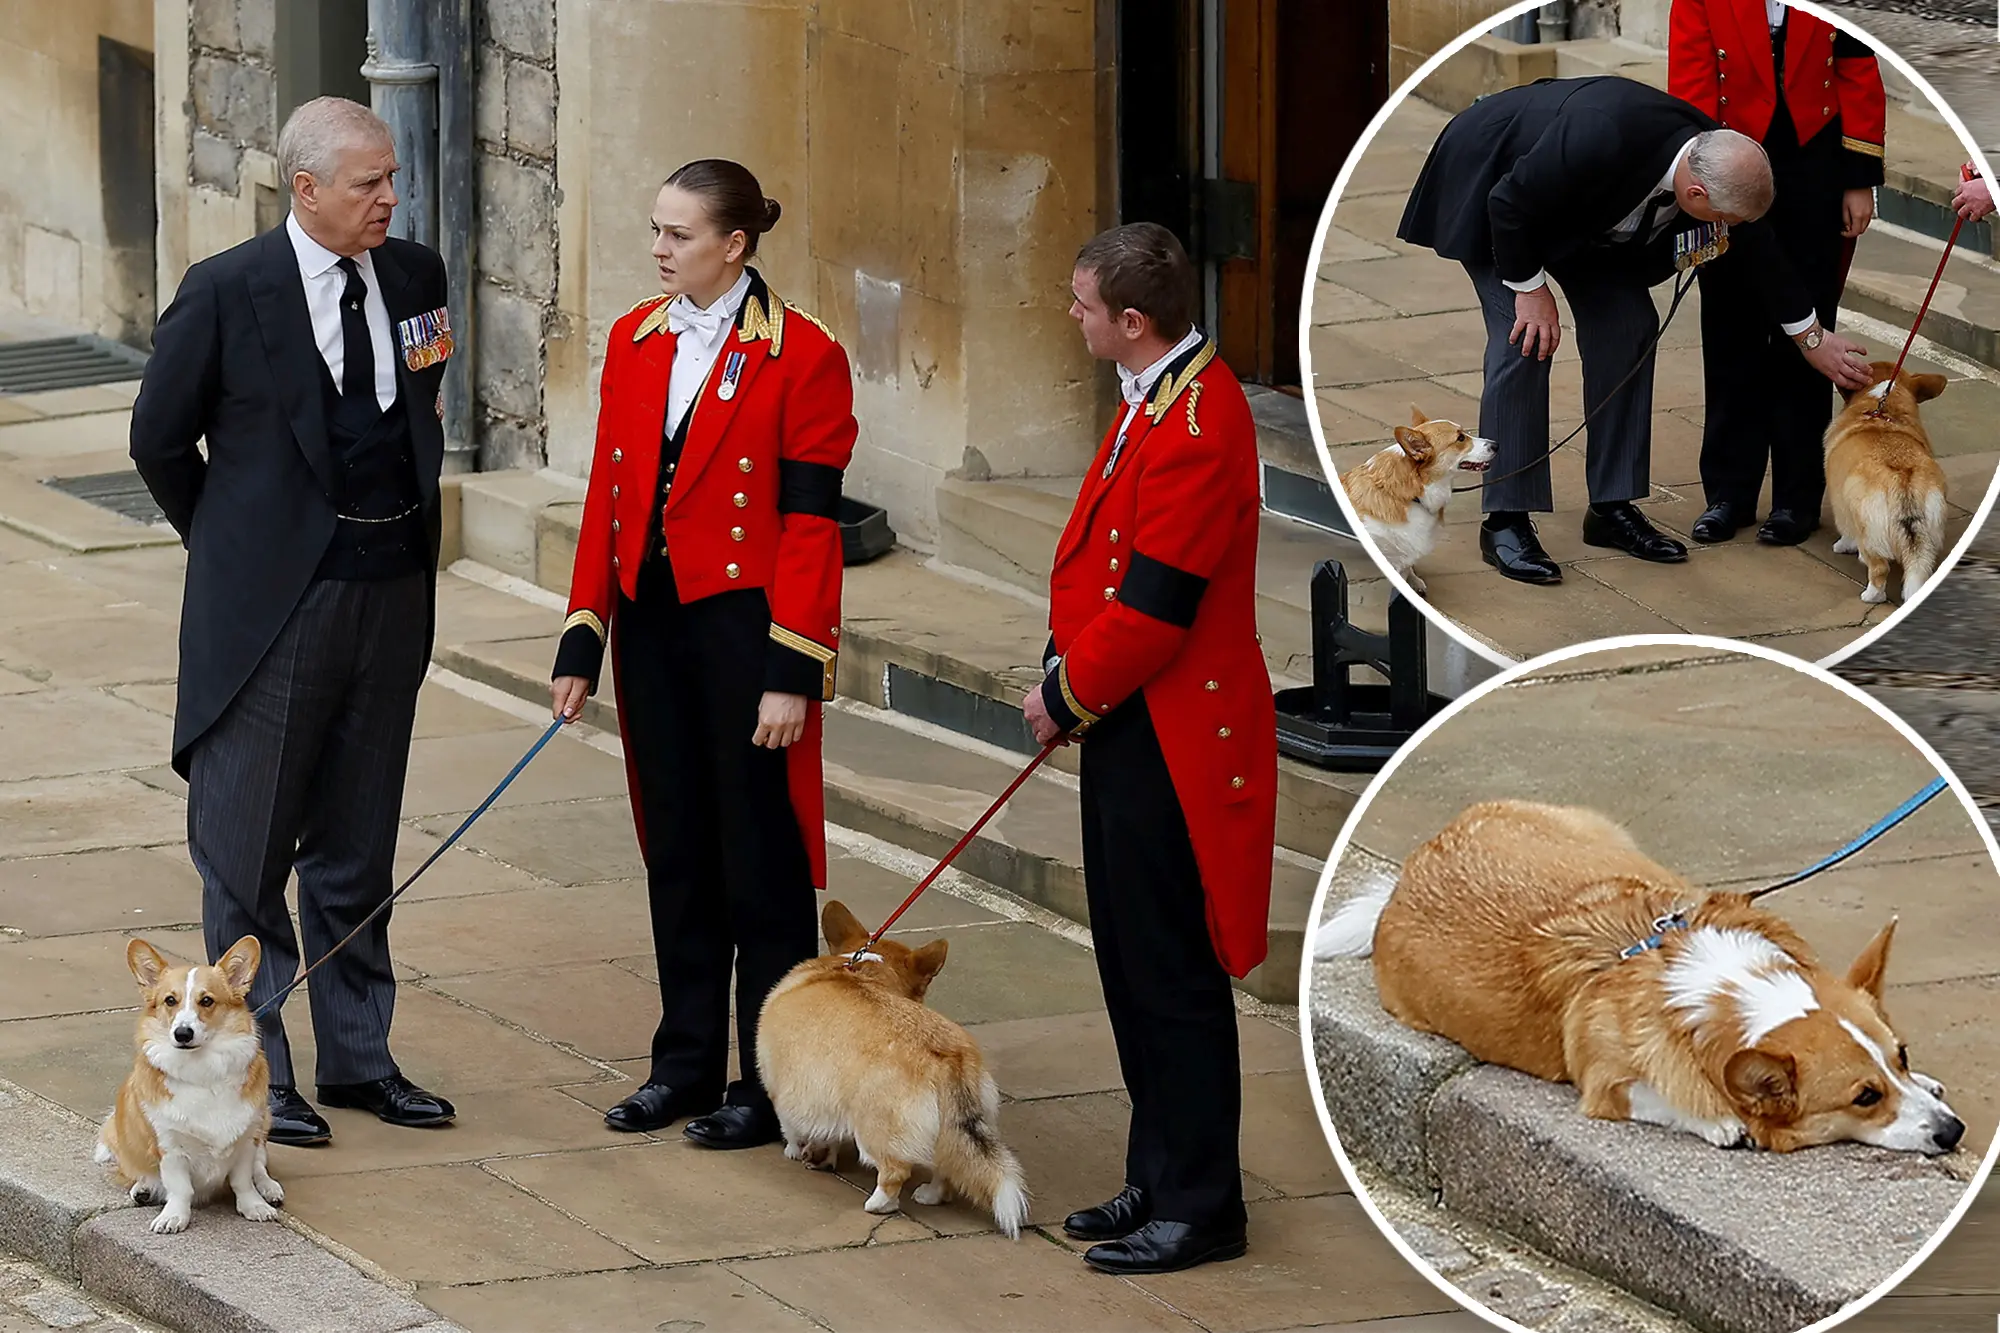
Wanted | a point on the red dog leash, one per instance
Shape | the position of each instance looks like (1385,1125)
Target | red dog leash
(971,833)
(1879,410)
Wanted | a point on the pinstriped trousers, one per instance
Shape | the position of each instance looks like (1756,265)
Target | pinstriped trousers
(1615,316)
(304,770)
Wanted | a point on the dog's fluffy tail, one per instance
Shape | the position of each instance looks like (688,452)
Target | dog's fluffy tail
(1919,537)
(971,1158)
(1350,931)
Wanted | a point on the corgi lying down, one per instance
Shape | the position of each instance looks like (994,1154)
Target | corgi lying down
(850,1054)
(1541,938)
(1885,486)
(193,1114)
(1400,493)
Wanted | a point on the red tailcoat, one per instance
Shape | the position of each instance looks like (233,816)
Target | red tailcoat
(1719,58)
(1155,588)
(754,502)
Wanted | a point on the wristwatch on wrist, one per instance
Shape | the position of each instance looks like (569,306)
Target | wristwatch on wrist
(1812,338)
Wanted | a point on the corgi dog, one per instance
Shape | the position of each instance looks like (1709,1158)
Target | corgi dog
(1541,938)
(1885,485)
(1399,494)
(849,1053)
(193,1114)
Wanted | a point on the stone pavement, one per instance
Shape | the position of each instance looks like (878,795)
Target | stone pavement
(1787,770)
(528,996)
(1393,325)
(34,1300)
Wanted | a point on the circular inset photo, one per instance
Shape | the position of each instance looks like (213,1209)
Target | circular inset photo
(1614,335)
(1651,987)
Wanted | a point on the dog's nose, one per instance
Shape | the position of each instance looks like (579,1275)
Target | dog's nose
(182,1036)
(1947,1135)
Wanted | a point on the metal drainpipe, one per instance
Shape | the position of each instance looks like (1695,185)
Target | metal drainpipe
(1553,20)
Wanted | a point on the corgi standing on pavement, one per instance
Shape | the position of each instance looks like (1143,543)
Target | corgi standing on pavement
(194,1113)
(1885,485)
(850,1053)
(1541,938)
(1400,493)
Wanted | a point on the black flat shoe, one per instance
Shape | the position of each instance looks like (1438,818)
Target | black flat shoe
(734,1127)
(1166,1247)
(653,1106)
(1719,522)
(1120,1215)
(293,1120)
(1787,527)
(393,1100)
(1514,550)
(1622,527)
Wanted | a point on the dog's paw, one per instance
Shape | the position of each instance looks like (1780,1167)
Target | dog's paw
(1846,546)
(882,1202)
(930,1192)
(1417,585)
(1726,1134)
(253,1209)
(170,1221)
(794,1152)
(146,1195)
(271,1190)
(1874,595)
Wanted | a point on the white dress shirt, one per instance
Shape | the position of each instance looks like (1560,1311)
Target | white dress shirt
(1136,388)
(1774,13)
(324,282)
(698,337)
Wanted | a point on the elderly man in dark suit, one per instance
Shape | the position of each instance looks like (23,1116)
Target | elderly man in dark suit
(1586,182)
(310,361)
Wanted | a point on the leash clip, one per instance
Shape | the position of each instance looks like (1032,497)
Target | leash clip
(1676,920)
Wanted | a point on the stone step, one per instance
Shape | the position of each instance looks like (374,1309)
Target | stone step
(1891,274)
(917,785)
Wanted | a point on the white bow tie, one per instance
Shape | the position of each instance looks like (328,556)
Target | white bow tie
(683,314)
(1129,388)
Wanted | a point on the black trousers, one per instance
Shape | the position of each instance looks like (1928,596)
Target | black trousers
(726,869)
(1172,1011)
(1615,317)
(305,770)
(1766,405)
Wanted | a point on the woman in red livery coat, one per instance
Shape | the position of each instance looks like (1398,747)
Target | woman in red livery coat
(1158,669)
(1812,95)
(710,551)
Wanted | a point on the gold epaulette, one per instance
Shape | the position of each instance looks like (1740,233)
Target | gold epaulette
(652,323)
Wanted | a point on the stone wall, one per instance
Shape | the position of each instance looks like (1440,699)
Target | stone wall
(55,253)
(516,274)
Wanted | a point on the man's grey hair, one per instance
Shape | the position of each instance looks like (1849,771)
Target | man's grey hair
(315,133)
(1733,169)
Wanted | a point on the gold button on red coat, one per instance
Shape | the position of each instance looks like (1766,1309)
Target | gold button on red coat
(1114,564)
(736,534)
(617,455)
(1114,536)
(1211,686)
(733,569)
(1223,732)
(614,562)
(1236,782)
(739,499)
(614,492)
(1110,593)
(743,463)
(614,525)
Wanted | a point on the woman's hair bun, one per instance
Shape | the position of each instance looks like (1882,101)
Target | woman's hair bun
(772,211)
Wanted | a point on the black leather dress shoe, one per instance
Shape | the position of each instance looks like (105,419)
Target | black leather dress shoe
(1166,1247)
(1787,527)
(293,1120)
(734,1127)
(1719,522)
(1512,548)
(653,1106)
(1622,527)
(394,1100)
(1120,1215)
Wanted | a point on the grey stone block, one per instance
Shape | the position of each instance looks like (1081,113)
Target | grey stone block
(257,29)
(507,442)
(508,341)
(1735,1242)
(531,109)
(212,23)
(234,101)
(489,107)
(225,1275)
(215,163)
(517,225)
(48,1185)
(525,27)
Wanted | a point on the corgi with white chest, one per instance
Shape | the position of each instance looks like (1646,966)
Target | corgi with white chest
(1884,484)
(850,1054)
(1400,493)
(193,1115)
(1541,938)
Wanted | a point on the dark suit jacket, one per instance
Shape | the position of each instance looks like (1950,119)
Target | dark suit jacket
(1537,176)
(235,363)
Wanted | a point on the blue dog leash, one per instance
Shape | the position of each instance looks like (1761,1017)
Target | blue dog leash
(429,861)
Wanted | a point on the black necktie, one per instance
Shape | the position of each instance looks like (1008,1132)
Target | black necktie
(357,371)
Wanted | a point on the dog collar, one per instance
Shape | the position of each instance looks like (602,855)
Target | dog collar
(1661,925)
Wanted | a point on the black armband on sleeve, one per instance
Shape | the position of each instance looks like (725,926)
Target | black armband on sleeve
(1155,588)
(808,488)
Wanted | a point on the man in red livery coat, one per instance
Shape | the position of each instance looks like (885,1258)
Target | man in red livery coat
(1155,664)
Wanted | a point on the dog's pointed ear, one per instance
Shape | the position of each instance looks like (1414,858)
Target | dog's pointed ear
(1415,447)
(239,965)
(146,962)
(844,934)
(1417,417)
(1925,387)
(1873,964)
(927,962)
(1763,1084)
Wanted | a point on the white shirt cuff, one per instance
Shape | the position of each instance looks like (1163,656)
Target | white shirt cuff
(1540,279)
(1798,326)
